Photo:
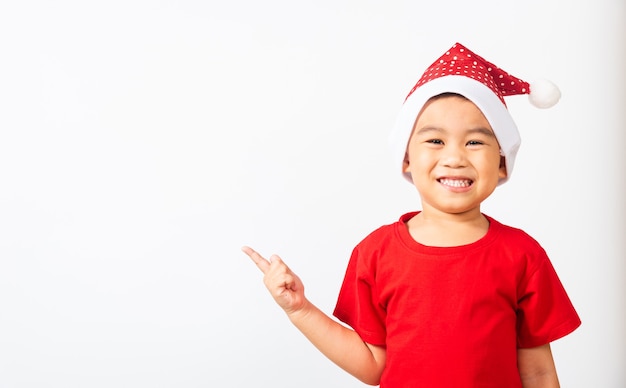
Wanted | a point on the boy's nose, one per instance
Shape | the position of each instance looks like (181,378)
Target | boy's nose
(453,157)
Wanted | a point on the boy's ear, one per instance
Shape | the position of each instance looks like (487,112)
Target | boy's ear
(405,162)
(502,172)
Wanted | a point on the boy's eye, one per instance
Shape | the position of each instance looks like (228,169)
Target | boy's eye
(474,142)
(434,141)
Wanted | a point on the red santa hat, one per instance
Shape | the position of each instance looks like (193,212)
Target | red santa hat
(463,72)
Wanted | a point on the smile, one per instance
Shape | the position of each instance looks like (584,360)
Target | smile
(455,182)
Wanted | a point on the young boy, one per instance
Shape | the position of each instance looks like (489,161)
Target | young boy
(447,296)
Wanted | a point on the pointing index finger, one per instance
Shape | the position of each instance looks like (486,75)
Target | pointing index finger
(260,262)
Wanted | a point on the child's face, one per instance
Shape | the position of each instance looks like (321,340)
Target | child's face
(453,156)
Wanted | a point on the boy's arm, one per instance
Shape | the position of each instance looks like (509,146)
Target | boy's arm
(536,367)
(340,344)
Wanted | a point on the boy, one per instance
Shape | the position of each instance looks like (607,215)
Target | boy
(447,296)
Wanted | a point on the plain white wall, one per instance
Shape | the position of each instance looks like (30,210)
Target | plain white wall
(143,142)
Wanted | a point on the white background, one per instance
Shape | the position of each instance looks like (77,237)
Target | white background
(143,142)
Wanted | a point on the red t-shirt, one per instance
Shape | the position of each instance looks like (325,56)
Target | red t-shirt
(453,316)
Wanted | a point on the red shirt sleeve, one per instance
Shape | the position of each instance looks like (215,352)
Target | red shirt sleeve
(358,302)
(545,312)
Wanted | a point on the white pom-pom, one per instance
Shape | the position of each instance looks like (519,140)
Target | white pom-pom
(544,94)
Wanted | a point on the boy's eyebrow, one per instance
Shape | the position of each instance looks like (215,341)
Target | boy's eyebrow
(479,130)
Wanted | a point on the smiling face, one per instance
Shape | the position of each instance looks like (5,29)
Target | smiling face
(453,156)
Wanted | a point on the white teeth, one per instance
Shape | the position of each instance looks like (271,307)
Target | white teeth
(456,182)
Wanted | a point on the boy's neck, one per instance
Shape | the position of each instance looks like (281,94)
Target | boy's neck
(434,228)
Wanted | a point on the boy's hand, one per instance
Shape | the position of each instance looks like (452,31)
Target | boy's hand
(284,285)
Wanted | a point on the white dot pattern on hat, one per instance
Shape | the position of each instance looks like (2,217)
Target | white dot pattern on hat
(459,60)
